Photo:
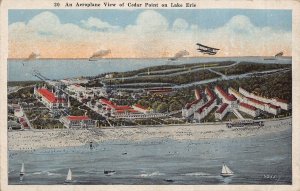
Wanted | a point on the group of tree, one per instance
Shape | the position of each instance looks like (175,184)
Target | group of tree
(246,67)
(167,103)
(278,85)
(192,76)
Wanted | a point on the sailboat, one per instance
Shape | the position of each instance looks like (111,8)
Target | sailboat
(22,172)
(69,177)
(109,172)
(226,171)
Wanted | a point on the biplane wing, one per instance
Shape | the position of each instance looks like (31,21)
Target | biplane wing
(206,49)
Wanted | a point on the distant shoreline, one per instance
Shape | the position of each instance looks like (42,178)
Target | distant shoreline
(57,138)
(152,58)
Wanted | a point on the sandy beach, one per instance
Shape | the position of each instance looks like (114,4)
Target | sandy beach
(36,139)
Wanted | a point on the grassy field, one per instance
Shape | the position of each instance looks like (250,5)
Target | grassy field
(169,66)
(246,67)
(178,79)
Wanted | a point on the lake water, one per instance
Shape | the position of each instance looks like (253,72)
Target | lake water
(20,70)
(265,159)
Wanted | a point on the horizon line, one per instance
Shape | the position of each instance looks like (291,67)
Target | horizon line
(141,57)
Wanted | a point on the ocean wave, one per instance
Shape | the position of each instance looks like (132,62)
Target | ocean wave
(197,174)
(45,173)
(156,173)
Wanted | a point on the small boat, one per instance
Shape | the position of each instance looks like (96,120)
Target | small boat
(109,172)
(226,171)
(22,172)
(173,59)
(269,59)
(168,180)
(91,144)
(69,177)
(92,59)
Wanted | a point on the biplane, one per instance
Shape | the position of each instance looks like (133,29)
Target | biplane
(206,49)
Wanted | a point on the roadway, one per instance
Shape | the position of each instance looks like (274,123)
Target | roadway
(189,70)
(223,77)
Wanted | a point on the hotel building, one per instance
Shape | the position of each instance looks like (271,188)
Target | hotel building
(52,100)
(77,122)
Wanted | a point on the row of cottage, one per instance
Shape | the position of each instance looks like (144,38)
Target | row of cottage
(241,100)
(117,111)
(129,112)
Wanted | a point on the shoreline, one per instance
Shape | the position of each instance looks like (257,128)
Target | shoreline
(58,138)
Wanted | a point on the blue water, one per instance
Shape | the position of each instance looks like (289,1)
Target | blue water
(20,70)
(265,159)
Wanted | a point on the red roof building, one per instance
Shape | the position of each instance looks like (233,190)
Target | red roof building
(207,104)
(78,118)
(283,104)
(107,102)
(236,94)
(122,107)
(50,96)
(77,121)
(273,106)
(221,111)
(51,100)
(140,108)
(228,97)
(245,105)
(222,108)
(189,105)
(192,107)
(25,125)
(249,109)
(256,101)
(114,108)
(198,94)
(207,107)
(209,93)
(281,100)
(268,107)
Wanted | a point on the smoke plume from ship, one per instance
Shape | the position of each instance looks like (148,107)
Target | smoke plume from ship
(100,54)
(180,54)
(33,56)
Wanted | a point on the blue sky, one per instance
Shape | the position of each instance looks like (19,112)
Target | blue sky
(148,33)
(208,18)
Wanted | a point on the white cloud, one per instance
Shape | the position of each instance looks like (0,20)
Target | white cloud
(149,22)
(93,22)
(150,34)
(239,22)
(46,25)
(180,25)
(44,22)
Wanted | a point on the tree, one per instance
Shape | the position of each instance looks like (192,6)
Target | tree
(155,105)
(163,107)
(174,106)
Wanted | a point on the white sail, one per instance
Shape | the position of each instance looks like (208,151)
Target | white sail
(226,171)
(69,176)
(22,169)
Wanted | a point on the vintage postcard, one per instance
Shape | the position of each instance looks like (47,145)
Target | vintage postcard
(149,95)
